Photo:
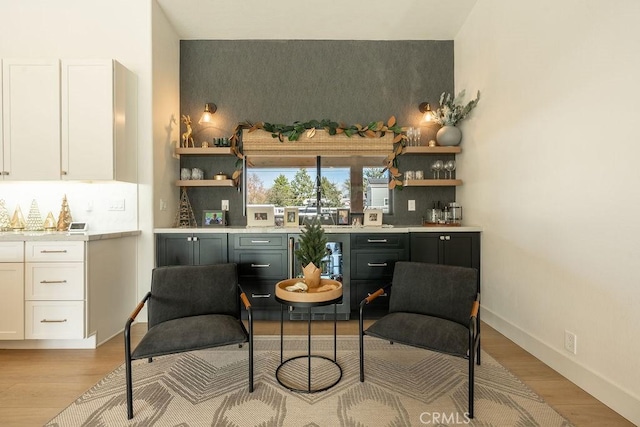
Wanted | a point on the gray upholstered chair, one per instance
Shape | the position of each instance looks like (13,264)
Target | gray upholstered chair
(431,306)
(190,308)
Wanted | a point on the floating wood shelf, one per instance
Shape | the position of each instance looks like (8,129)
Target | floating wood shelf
(432,150)
(205,183)
(432,182)
(220,151)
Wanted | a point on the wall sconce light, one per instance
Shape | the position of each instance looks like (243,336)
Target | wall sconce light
(207,115)
(425,108)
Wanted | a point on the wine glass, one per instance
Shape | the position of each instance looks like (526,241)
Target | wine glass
(410,136)
(416,137)
(436,167)
(450,166)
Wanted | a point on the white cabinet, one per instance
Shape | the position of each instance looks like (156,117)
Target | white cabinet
(31,119)
(98,121)
(11,290)
(69,119)
(54,297)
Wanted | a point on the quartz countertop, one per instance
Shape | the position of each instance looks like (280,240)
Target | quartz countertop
(328,229)
(24,236)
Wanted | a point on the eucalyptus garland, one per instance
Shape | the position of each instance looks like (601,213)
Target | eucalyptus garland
(292,132)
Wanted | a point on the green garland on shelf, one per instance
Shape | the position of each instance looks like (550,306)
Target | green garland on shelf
(293,132)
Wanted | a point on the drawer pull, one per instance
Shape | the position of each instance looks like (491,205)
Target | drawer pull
(372,264)
(45,251)
(260,265)
(53,321)
(260,295)
(376,240)
(261,241)
(382,295)
(52,281)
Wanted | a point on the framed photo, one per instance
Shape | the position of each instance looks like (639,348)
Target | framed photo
(373,218)
(343,217)
(260,216)
(291,217)
(214,218)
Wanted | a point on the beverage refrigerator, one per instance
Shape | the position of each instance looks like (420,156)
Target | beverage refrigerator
(335,265)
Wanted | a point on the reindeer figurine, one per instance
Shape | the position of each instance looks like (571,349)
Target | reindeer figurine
(187,139)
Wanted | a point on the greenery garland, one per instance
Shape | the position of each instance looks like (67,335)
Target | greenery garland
(293,132)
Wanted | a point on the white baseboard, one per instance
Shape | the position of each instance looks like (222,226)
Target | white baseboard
(618,399)
(87,343)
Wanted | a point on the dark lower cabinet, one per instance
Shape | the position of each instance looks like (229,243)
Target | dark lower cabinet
(373,257)
(190,249)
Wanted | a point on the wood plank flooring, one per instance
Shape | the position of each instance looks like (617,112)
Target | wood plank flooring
(35,385)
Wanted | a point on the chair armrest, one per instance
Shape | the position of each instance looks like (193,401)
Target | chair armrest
(141,304)
(374,295)
(244,298)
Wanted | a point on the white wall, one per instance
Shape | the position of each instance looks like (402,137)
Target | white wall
(118,29)
(550,163)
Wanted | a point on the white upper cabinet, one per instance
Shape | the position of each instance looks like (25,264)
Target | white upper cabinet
(98,121)
(69,119)
(31,119)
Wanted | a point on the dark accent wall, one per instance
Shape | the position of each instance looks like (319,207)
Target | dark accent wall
(295,80)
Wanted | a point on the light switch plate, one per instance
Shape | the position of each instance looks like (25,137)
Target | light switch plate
(412,205)
(225,205)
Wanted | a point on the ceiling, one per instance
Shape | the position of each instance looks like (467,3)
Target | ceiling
(317,19)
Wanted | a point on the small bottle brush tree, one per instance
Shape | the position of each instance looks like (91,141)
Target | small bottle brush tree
(312,248)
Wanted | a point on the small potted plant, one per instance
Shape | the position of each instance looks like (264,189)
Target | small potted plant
(312,248)
(449,114)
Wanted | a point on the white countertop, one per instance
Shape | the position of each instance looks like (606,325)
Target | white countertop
(11,236)
(327,229)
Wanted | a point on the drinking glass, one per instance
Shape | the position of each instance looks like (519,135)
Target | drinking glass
(436,167)
(450,166)
(416,137)
(410,137)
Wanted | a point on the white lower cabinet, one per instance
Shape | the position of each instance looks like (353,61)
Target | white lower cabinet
(11,290)
(54,292)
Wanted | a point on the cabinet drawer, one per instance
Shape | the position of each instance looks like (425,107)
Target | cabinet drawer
(54,251)
(262,296)
(54,281)
(54,320)
(378,240)
(271,241)
(266,265)
(11,252)
(374,265)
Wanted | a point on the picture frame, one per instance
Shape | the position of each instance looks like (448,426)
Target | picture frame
(373,218)
(214,218)
(261,216)
(291,217)
(343,217)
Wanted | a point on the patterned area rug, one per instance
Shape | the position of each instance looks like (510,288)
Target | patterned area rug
(403,387)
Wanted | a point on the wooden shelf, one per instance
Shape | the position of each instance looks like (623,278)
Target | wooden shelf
(432,150)
(217,151)
(205,183)
(432,182)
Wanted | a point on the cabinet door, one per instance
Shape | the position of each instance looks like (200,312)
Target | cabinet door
(87,120)
(209,249)
(174,249)
(31,119)
(461,249)
(425,247)
(12,301)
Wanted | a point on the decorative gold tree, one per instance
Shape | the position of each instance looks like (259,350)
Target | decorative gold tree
(17,222)
(185,217)
(5,221)
(34,219)
(64,219)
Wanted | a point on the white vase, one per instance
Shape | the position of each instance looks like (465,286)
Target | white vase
(449,136)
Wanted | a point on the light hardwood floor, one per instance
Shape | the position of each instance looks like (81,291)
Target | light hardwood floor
(35,385)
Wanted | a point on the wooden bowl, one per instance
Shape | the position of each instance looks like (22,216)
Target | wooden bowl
(312,295)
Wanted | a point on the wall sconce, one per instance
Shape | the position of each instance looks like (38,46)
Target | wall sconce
(207,116)
(425,108)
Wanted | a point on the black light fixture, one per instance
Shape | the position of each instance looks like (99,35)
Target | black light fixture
(425,108)
(207,115)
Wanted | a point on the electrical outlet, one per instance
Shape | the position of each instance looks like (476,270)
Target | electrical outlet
(163,205)
(412,205)
(225,205)
(570,342)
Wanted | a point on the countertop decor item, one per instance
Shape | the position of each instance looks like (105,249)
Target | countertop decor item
(17,222)
(64,219)
(313,247)
(34,219)
(449,114)
(5,221)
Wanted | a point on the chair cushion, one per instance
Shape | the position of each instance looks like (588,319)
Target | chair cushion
(419,330)
(190,333)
